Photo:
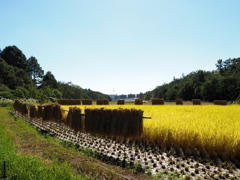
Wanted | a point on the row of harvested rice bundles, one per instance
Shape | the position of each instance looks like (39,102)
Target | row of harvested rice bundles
(20,107)
(75,119)
(120,102)
(126,123)
(69,101)
(102,102)
(157,101)
(86,102)
(138,102)
(52,112)
(220,102)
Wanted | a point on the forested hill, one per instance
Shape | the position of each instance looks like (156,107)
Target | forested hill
(24,78)
(222,83)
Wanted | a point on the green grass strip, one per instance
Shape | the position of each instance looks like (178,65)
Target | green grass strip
(20,166)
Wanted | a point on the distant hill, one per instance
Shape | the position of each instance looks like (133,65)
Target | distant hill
(222,83)
(24,78)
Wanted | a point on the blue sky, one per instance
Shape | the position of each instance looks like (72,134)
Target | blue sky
(122,46)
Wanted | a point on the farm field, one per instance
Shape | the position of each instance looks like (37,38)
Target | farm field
(205,129)
(188,141)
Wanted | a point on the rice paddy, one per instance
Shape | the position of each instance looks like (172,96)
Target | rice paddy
(203,132)
(209,128)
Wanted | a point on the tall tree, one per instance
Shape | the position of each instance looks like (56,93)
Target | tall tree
(49,80)
(14,56)
(35,69)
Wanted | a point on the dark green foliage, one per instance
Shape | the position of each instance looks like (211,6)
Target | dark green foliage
(14,57)
(49,81)
(223,83)
(94,95)
(25,79)
(12,76)
(35,70)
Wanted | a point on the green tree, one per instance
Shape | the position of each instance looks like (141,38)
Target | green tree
(35,69)
(14,56)
(49,81)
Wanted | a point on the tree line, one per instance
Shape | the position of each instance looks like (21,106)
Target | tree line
(223,83)
(24,78)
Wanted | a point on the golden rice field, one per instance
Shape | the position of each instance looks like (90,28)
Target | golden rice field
(211,129)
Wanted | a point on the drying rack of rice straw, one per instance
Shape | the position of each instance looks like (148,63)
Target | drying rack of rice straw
(116,123)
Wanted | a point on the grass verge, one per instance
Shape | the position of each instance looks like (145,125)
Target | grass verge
(31,155)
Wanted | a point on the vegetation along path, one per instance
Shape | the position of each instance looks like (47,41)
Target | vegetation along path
(33,155)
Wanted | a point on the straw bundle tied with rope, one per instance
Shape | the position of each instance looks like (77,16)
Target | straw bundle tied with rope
(68,121)
(102,102)
(77,120)
(125,123)
(138,102)
(33,112)
(17,105)
(179,101)
(158,101)
(69,101)
(24,110)
(47,111)
(196,101)
(120,102)
(220,102)
(39,111)
(86,102)
(57,114)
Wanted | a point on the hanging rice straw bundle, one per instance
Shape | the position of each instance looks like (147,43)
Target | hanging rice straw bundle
(47,113)
(138,102)
(16,105)
(24,110)
(99,102)
(33,112)
(69,101)
(91,119)
(158,101)
(125,123)
(39,111)
(77,120)
(86,102)
(68,121)
(105,101)
(196,101)
(179,101)
(57,114)
(220,102)
(120,102)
